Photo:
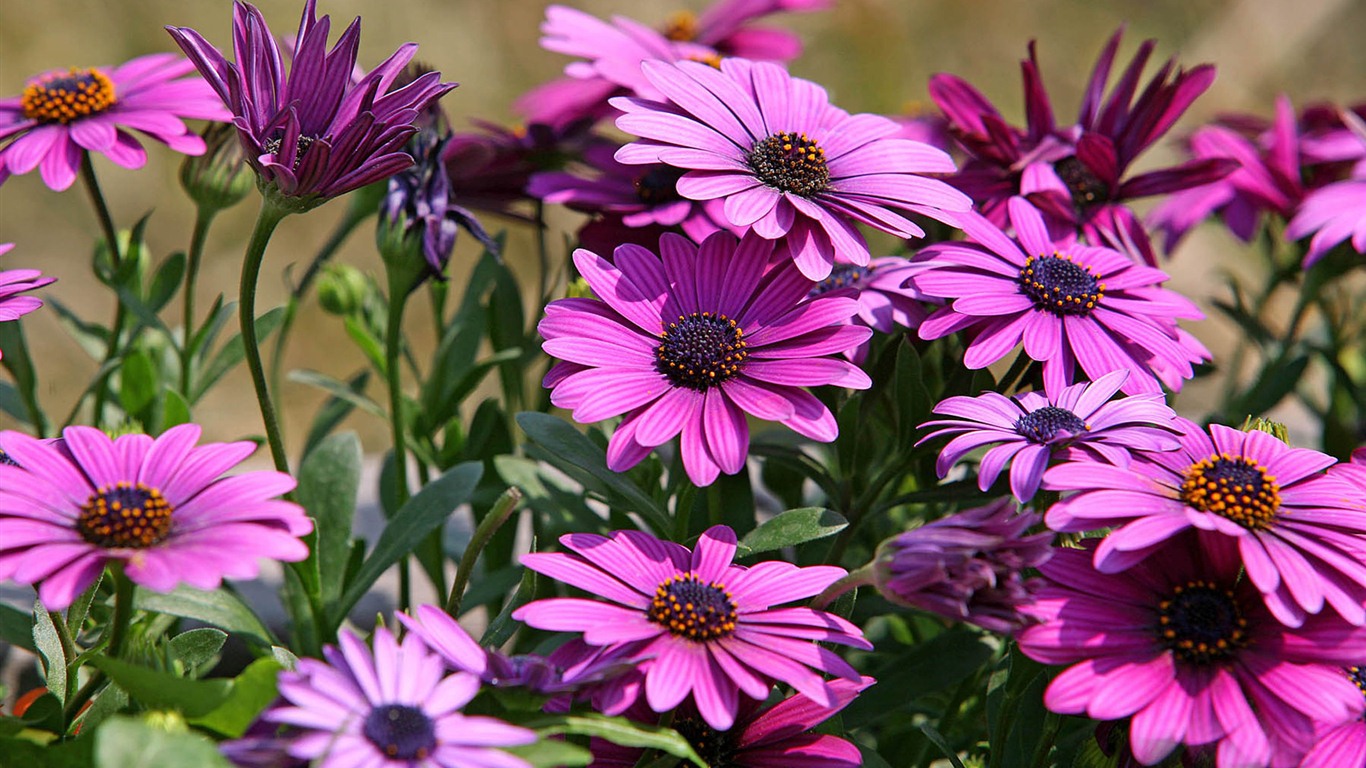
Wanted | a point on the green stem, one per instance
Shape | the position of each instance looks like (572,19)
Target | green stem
(203,218)
(123,613)
(266,221)
(497,516)
(111,239)
(393,372)
(859,577)
(947,720)
(542,253)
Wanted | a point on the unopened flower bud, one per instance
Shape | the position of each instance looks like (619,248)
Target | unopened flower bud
(218,178)
(1273,428)
(343,290)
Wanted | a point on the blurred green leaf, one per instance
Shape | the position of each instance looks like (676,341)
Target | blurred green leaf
(220,608)
(619,730)
(123,742)
(793,527)
(334,411)
(251,692)
(339,390)
(163,690)
(137,384)
(16,627)
(553,754)
(233,352)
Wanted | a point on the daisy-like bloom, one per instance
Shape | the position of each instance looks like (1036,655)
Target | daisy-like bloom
(777,737)
(489,169)
(1076,173)
(315,133)
(693,343)
(14,282)
(703,626)
(640,196)
(1072,305)
(789,164)
(1183,645)
(725,26)
(67,112)
(1300,533)
(1332,215)
(389,707)
(967,566)
(157,506)
(1031,430)
(885,301)
(1341,746)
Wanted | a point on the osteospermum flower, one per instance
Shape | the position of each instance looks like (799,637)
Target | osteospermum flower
(885,301)
(777,737)
(67,112)
(159,507)
(967,566)
(725,26)
(703,626)
(1070,304)
(14,282)
(1301,534)
(1338,746)
(1030,430)
(1183,646)
(315,133)
(389,707)
(787,163)
(1332,215)
(693,343)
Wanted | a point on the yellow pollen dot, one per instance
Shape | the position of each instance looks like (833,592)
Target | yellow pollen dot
(63,97)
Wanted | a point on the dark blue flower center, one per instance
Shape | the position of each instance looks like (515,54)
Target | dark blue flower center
(710,744)
(1357,675)
(790,162)
(1059,285)
(1234,487)
(658,185)
(841,276)
(7,461)
(125,515)
(66,97)
(1086,188)
(1201,623)
(701,350)
(690,608)
(1042,425)
(401,732)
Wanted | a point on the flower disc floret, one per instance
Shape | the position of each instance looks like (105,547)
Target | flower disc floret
(125,515)
(1233,487)
(790,163)
(1059,285)
(701,350)
(400,731)
(1201,622)
(1043,425)
(64,97)
(693,609)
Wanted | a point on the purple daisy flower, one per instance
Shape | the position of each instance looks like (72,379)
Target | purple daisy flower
(724,25)
(14,282)
(389,707)
(967,566)
(698,624)
(489,169)
(1031,430)
(1344,745)
(693,343)
(639,196)
(1332,214)
(1299,532)
(885,301)
(1071,305)
(66,112)
(777,737)
(787,163)
(157,506)
(1184,646)
(314,133)
(1076,174)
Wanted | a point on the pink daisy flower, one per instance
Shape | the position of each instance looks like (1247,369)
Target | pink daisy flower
(1070,304)
(14,282)
(725,26)
(692,342)
(787,163)
(160,507)
(1334,214)
(1341,746)
(389,708)
(1031,430)
(66,112)
(1301,534)
(1183,645)
(705,627)
(885,301)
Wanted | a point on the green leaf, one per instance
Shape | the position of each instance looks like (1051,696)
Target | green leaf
(166,281)
(12,404)
(197,648)
(793,527)
(619,730)
(252,691)
(922,670)
(329,481)
(565,444)
(125,741)
(220,608)
(943,746)
(339,390)
(367,341)
(137,384)
(500,630)
(333,412)
(552,754)
(21,753)
(234,353)
(174,409)
(423,514)
(16,628)
(92,337)
(1273,384)
(214,322)
(44,714)
(163,690)
(49,645)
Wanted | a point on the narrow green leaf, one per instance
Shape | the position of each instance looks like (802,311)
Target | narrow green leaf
(234,353)
(163,690)
(220,608)
(174,409)
(329,482)
(938,741)
(423,514)
(553,754)
(93,338)
(166,281)
(49,645)
(619,730)
(252,691)
(125,741)
(339,390)
(793,527)
(333,412)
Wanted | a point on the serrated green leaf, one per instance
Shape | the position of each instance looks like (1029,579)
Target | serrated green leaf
(793,527)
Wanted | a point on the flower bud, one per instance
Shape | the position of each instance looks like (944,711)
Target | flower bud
(343,290)
(1273,428)
(218,178)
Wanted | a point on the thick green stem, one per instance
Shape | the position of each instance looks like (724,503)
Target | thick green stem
(111,239)
(266,221)
(393,372)
(203,218)
(123,613)
(497,516)
(859,577)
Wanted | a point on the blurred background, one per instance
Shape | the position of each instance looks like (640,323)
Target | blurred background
(873,55)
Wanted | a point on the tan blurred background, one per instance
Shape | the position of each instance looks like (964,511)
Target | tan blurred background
(873,55)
